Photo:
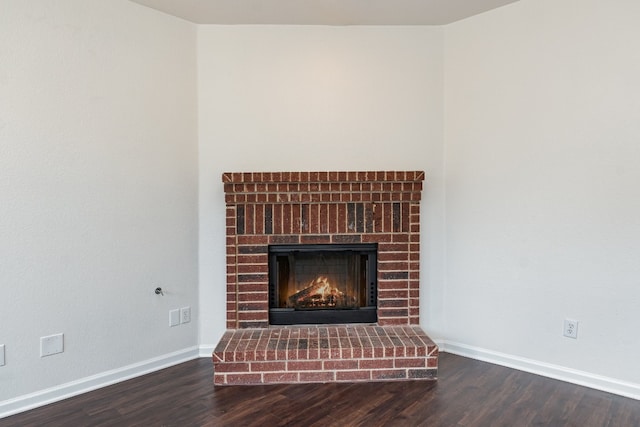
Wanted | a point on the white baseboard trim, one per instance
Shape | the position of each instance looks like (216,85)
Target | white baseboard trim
(104,379)
(586,379)
(93,382)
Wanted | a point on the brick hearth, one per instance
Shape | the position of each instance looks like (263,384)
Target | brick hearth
(268,208)
(324,354)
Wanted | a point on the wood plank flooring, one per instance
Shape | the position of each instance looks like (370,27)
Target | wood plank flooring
(467,393)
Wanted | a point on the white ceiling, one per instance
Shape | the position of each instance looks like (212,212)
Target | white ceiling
(324,12)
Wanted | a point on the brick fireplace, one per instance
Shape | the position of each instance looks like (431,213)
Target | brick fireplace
(264,209)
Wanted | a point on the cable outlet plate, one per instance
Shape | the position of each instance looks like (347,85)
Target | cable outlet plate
(570,328)
(52,344)
(1,354)
(174,317)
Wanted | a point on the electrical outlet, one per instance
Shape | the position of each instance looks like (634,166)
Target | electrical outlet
(1,354)
(52,344)
(174,317)
(185,314)
(570,328)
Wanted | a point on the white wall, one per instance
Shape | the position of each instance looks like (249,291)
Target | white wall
(100,175)
(98,187)
(317,98)
(542,100)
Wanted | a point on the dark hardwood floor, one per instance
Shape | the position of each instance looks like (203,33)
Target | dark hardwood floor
(468,393)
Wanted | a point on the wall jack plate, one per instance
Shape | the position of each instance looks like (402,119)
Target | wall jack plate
(174,317)
(52,344)
(570,328)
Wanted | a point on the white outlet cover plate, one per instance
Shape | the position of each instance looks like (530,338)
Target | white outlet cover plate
(52,344)
(185,314)
(174,317)
(571,328)
(1,354)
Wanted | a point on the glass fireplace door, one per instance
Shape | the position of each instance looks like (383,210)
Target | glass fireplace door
(322,284)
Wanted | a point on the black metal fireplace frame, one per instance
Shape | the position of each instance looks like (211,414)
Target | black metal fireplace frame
(291,316)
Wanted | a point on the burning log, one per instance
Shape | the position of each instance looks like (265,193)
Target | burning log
(319,293)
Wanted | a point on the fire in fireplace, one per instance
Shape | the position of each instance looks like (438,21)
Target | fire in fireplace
(322,283)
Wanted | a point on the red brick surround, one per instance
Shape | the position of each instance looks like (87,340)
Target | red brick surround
(266,208)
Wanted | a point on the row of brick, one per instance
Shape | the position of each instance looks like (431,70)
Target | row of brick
(287,377)
(287,239)
(319,187)
(323,219)
(365,356)
(276,198)
(257,315)
(327,176)
(327,365)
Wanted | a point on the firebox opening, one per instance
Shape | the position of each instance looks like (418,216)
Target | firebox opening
(319,284)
